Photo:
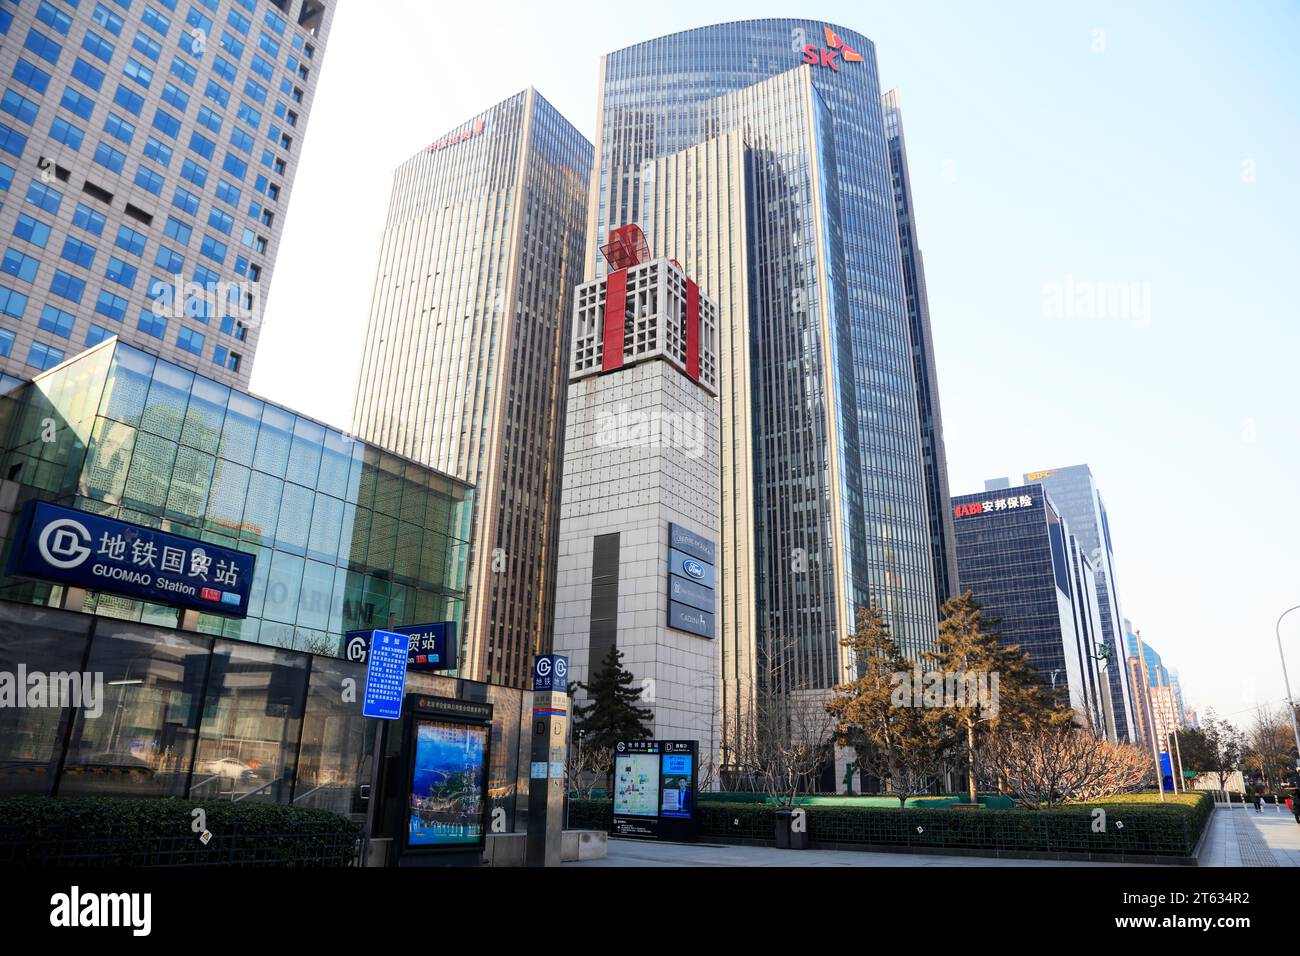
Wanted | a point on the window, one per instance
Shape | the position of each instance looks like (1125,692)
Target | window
(175,229)
(64,132)
(113,306)
(190,340)
(130,240)
(202,145)
(158,151)
(228,193)
(83,72)
(155,21)
(185,201)
(147,45)
(225,358)
(195,173)
(220,220)
(149,179)
(78,103)
(6,337)
(129,100)
(173,95)
(217,93)
(169,259)
(232,44)
(256,91)
(33,230)
(44,356)
(119,128)
(20,265)
(120,272)
(107,19)
(30,75)
(225,69)
(57,321)
(19,106)
(185,72)
(91,220)
(49,13)
(151,324)
(137,71)
(109,157)
(209,119)
(214,250)
(165,123)
(42,45)
(6,176)
(235,166)
(241,140)
(12,141)
(12,303)
(68,288)
(78,252)
(97,46)
(97,334)
(42,196)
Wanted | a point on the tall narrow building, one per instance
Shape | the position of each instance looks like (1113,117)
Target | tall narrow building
(1074,491)
(464,361)
(942,547)
(147,154)
(755,154)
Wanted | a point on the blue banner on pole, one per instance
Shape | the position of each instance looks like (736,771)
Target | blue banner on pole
(83,550)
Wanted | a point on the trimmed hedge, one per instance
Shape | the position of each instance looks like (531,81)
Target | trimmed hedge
(126,831)
(1135,826)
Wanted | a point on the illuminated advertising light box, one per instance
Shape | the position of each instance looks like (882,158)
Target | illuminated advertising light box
(448,754)
(656,789)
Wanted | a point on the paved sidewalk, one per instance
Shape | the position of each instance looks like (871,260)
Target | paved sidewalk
(639,853)
(1242,837)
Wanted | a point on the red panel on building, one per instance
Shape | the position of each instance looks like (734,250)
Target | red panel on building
(615,318)
(692,329)
(627,246)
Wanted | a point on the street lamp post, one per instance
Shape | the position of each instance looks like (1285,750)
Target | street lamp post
(1290,701)
(1151,713)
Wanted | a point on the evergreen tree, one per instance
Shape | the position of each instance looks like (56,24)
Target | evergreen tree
(968,645)
(610,713)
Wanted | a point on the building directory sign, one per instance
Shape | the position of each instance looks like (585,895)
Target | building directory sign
(692,581)
(655,789)
(432,648)
(386,675)
(82,550)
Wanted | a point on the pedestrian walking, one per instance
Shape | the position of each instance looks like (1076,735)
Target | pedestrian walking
(1257,799)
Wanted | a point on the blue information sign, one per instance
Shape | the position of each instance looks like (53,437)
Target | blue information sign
(385,675)
(551,673)
(433,646)
(84,550)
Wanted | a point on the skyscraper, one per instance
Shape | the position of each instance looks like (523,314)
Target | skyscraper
(938,513)
(756,155)
(463,363)
(1074,491)
(147,152)
(1017,555)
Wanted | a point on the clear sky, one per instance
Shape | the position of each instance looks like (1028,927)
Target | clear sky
(1108,205)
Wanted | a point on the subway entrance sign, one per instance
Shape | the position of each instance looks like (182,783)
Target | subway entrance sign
(656,791)
(432,646)
(82,550)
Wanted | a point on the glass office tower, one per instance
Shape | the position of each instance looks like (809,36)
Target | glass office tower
(147,152)
(346,536)
(1018,557)
(1074,490)
(465,354)
(927,383)
(755,153)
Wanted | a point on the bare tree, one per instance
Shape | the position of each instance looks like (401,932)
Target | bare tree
(1269,749)
(587,767)
(1063,764)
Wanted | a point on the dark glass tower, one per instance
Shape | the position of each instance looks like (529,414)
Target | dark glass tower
(927,384)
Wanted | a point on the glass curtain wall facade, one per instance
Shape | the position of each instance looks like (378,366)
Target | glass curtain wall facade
(927,383)
(184,714)
(1018,557)
(147,153)
(1074,490)
(466,350)
(770,181)
(346,536)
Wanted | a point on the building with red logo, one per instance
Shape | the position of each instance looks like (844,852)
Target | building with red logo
(640,509)
(465,349)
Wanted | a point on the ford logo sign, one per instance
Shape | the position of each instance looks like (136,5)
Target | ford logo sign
(693,568)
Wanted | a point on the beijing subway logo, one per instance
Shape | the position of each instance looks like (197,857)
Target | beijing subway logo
(829,55)
(64,543)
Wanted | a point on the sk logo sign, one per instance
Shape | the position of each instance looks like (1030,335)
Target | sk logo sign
(829,55)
